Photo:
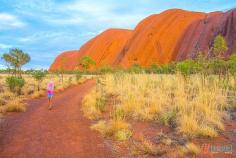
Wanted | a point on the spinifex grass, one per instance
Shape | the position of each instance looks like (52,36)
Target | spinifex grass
(190,107)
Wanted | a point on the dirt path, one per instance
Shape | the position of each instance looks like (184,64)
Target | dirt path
(60,133)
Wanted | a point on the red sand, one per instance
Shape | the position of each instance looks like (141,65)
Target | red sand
(62,132)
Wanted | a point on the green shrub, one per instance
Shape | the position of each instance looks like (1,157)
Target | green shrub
(136,68)
(106,69)
(167,68)
(153,69)
(232,64)
(15,84)
(168,118)
(187,67)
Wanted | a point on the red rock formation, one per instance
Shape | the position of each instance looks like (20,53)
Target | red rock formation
(65,61)
(161,38)
(104,49)
(200,35)
(155,38)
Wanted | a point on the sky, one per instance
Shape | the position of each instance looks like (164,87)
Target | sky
(45,28)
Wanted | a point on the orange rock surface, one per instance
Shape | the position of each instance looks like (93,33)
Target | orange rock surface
(155,38)
(160,38)
(103,48)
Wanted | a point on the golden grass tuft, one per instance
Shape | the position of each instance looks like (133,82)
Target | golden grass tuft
(15,106)
(38,94)
(89,106)
(117,129)
(191,150)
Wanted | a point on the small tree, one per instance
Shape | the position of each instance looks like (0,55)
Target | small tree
(38,76)
(86,62)
(220,46)
(78,75)
(16,58)
(7,60)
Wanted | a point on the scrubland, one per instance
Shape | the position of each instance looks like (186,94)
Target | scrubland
(191,107)
(11,102)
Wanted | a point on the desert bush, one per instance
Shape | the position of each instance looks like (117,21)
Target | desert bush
(106,69)
(39,75)
(219,46)
(15,84)
(168,118)
(136,68)
(187,67)
(78,76)
(232,67)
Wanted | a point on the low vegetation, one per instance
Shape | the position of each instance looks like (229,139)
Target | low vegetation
(191,97)
(16,84)
(13,90)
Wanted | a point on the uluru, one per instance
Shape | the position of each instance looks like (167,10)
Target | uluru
(172,35)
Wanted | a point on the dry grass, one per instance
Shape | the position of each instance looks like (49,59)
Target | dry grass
(145,148)
(37,94)
(193,108)
(89,108)
(10,102)
(191,150)
(15,105)
(117,129)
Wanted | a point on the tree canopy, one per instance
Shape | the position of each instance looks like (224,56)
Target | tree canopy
(86,62)
(16,58)
(220,46)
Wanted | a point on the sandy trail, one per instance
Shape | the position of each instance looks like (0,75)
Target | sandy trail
(60,133)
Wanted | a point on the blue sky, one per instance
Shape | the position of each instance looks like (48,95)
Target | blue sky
(44,28)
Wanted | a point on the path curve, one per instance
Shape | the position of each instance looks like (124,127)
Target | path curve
(60,133)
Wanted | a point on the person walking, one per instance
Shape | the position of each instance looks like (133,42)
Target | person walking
(50,92)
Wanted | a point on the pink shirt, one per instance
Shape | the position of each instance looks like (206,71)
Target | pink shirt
(50,87)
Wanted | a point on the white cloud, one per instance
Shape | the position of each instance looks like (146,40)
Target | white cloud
(54,36)
(5,46)
(10,21)
(88,13)
(99,13)
(41,35)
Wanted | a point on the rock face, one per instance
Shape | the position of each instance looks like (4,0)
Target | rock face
(200,35)
(104,49)
(155,38)
(160,38)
